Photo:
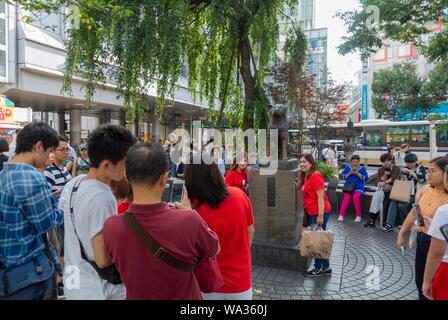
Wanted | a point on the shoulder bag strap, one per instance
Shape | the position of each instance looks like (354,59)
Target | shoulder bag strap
(72,216)
(87,162)
(157,251)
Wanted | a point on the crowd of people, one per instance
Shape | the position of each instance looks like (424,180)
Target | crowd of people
(428,194)
(92,224)
(70,214)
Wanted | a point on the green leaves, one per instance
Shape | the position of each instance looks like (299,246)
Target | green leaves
(437,84)
(401,20)
(330,174)
(149,42)
(295,49)
(400,90)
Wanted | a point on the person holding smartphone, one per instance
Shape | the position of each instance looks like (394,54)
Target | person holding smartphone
(430,198)
(387,174)
(228,212)
(354,175)
(435,280)
(181,233)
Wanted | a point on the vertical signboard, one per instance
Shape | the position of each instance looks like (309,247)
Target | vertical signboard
(365,102)
(365,91)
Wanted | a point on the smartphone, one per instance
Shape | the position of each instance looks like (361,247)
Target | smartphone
(177,191)
(418,215)
(402,250)
(444,230)
(166,197)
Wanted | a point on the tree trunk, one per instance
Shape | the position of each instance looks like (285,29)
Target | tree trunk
(249,83)
(226,88)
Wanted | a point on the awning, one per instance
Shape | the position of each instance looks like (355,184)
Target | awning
(10,125)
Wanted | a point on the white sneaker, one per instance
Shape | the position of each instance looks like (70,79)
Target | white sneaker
(358,219)
(341,218)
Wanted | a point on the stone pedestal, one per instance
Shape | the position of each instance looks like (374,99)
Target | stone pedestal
(278,212)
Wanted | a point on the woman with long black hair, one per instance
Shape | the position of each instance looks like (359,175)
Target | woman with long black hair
(228,212)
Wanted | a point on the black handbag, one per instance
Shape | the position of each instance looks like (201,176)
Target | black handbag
(349,187)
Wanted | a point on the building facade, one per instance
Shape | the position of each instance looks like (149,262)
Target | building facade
(317,63)
(32,58)
(391,53)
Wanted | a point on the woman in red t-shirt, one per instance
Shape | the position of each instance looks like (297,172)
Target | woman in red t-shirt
(316,205)
(237,176)
(123,193)
(228,212)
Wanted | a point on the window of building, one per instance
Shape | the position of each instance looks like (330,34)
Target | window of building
(374,138)
(2,31)
(376,75)
(406,51)
(380,55)
(2,39)
(397,134)
(309,10)
(2,63)
(51,23)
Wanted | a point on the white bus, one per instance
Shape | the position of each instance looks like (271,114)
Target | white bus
(376,135)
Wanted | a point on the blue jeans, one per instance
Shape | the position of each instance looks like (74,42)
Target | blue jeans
(321,263)
(398,207)
(172,170)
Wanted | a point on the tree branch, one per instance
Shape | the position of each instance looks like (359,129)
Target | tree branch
(197,3)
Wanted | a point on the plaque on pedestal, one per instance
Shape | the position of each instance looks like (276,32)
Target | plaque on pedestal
(278,211)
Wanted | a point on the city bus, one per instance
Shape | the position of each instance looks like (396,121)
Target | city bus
(425,140)
(294,140)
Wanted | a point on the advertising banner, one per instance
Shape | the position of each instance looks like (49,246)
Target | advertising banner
(6,110)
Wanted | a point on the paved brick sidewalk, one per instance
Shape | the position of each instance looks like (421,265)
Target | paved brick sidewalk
(356,249)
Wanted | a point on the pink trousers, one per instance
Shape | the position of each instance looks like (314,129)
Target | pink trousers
(346,202)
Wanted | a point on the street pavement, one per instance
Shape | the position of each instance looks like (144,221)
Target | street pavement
(366,266)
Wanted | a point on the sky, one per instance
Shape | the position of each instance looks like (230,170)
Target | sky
(342,68)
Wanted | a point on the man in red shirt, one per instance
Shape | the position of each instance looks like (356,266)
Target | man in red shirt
(182,233)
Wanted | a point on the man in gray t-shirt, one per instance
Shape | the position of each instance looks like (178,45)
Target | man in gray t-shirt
(92,202)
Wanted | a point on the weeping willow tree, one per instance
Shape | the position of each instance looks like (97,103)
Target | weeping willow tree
(227,45)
